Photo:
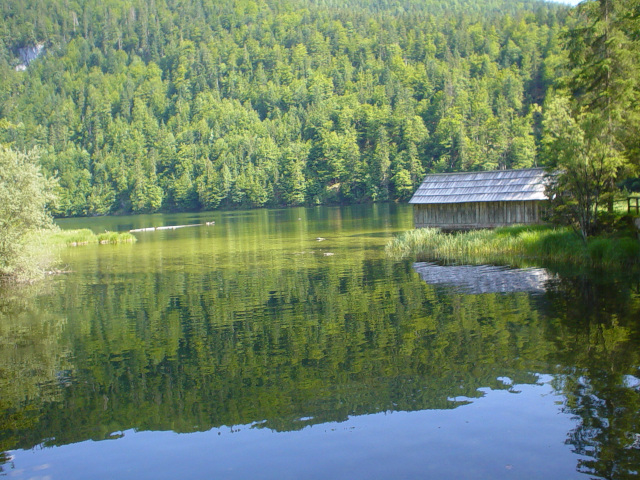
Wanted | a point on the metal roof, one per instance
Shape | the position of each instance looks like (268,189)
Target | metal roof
(494,186)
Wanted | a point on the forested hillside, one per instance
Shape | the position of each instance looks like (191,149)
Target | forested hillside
(147,105)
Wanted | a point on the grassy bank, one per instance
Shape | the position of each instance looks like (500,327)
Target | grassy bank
(74,238)
(518,246)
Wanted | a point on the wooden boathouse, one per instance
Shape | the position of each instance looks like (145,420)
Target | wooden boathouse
(464,201)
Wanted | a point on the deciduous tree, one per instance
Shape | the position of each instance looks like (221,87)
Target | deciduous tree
(24,196)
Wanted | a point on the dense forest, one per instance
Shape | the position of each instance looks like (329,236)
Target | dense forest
(141,106)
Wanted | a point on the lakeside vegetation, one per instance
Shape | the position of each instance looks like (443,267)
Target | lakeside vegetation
(520,246)
(28,235)
(84,236)
(24,196)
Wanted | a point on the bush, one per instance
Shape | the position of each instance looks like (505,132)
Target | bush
(24,196)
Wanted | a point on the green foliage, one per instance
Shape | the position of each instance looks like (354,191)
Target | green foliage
(24,196)
(590,131)
(579,150)
(139,110)
(603,53)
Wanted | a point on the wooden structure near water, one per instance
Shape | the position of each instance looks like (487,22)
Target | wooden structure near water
(464,201)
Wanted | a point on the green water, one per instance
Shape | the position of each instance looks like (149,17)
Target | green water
(285,344)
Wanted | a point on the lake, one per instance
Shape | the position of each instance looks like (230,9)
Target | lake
(285,344)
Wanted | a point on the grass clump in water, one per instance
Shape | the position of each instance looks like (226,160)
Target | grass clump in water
(71,237)
(115,237)
(517,246)
(84,236)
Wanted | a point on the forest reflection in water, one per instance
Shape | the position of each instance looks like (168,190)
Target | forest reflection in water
(251,323)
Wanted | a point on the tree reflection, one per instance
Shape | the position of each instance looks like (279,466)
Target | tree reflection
(608,430)
(308,343)
(600,335)
(32,355)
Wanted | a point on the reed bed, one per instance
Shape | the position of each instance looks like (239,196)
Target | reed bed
(116,237)
(84,236)
(517,246)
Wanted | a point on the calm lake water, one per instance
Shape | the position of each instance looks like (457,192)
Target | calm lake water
(284,344)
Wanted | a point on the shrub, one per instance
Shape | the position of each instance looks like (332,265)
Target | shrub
(24,196)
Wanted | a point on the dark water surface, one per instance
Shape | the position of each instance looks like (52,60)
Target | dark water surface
(284,344)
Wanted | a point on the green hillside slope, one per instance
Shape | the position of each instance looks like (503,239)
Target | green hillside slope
(140,106)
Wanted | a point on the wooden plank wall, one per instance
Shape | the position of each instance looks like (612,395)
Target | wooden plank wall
(476,214)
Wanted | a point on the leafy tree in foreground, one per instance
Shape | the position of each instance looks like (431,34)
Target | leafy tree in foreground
(587,129)
(24,195)
(579,149)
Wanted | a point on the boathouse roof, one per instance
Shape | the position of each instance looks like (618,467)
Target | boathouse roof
(494,186)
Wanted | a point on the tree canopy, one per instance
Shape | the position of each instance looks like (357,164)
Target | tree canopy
(591,122)
(143,106)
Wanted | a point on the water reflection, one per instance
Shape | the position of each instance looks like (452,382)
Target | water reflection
(598,342)
(442,444)
(190,332)
(477,279)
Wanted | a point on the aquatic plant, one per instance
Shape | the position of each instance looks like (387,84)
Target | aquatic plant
(84,236)
(517,245)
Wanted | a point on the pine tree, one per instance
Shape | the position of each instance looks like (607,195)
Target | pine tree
(603,62)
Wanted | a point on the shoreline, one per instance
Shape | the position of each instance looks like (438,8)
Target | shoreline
(517,246)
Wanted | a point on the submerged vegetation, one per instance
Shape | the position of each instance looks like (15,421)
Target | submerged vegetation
(518,246)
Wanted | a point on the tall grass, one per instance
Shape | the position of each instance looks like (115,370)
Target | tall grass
(115,237)
(84,236)
(517,246)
